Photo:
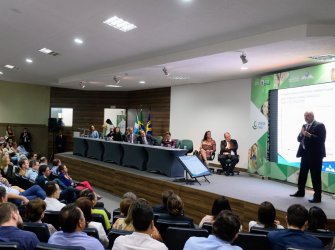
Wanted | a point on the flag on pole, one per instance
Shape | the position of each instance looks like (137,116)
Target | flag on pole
(136,125)
(148,126)
(141,124)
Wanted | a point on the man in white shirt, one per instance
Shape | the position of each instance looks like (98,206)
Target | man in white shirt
(143,223)
(52,191)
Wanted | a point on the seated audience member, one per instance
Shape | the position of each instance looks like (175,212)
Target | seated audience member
(225,230)
(55,164)
(219,204)
(175,207)
(6,167)
(10,221)
(93,133)
(35,212)
(228,154)
(168,141)
(129,195)
(266,217)
(21,150)
(86,206)
(43,160)
(53,191)
(73,223)
(207,147)
(23,166)
(43,175)
(124,209)
(93,198)
(142,220)
(3,195)
(162,208)
(317,220)
(294,236)
(66,179)
(32,172)
(9,133)
(117,136)
(130,136)
(145,139)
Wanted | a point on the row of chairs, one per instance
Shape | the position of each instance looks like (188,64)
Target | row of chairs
(40,246)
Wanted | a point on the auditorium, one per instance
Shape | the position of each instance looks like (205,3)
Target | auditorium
(204,81)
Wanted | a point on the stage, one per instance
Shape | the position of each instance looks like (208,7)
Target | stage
(245,192)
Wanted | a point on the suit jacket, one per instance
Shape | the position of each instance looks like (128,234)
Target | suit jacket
(150,140)
(315,144)
(233,145)
(128,138)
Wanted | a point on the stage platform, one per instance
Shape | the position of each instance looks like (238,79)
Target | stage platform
(244,192)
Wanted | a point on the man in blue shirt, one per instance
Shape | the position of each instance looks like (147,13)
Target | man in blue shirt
(73,223)
(294,236)
(225,230)
(10,220)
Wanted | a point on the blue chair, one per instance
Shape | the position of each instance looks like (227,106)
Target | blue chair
(176,237)
(40,229)
(46,246)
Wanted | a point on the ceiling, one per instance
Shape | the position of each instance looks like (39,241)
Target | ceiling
(197,40)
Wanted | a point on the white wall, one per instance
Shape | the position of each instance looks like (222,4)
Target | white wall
(218,107)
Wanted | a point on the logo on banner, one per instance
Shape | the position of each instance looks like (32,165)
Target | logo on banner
(258,125)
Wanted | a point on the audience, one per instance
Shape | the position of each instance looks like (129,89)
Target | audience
(86,206)
(317,220)
(32,172)
(10,221)
(53,191)
(35,212)
(23,166)
(3,195)
(266,217)
(168,141)
(142,221)
(162,208)
(9,134)
(43,175)
(294,236)
(225,230)
(73,223)
(55,164)
(219,204)
(207,147)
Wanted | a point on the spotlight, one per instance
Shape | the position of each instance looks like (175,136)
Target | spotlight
(116,79)
(165,71)
(244,58)
(82,84)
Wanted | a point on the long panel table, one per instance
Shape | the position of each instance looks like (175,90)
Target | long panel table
(143,157)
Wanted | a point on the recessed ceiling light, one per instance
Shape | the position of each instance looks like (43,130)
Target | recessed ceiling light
(141,82)
(244,68)
(8,66)
(78,41)
(119,24)
(45,51)
(1,73)
(113,86)
(28,60)
(324,58)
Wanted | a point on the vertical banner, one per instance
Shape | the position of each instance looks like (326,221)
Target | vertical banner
(121,123)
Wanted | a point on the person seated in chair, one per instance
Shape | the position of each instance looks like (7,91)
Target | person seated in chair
(228,156)
(207,147)
(145,139)
(168,141)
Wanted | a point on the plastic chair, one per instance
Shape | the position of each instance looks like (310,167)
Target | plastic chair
(40,229)
(46,246)
(158,140)
(163,225)
(53,218)
(114,233)
(9,245)
(176,237)
(99,218)
(116,212)
(249,241)
(188,144)
(90,231)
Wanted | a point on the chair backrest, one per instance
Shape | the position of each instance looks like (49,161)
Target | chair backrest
(249,241)
(158,140)
(53,218)
(117,217)
(99,218)
(113,234)
(46,246)
(116,212)
(326,237)
(188,144)
(176,237)
(90,231)
(208,226)
(264,231)
(162,225)
(9,245)
(40,229)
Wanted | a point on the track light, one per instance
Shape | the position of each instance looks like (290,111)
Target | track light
(116,79)
(165,71)
(243,57)
(82,84)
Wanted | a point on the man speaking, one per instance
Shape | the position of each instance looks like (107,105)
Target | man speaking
(311,150)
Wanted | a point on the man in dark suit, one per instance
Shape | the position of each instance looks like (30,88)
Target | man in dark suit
(60,142)
(130,136)
(145,139)
(311,150)
(228,154)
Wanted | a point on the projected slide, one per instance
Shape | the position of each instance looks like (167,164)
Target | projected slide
(292,104)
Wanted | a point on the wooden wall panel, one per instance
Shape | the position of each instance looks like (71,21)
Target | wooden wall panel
(88,107)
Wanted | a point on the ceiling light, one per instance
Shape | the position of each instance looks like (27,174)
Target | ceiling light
(8,66)
(120,24)
(165,71)
(141,82)
(78,41)
(1,73)
(28,60)
(48,52)
(244,58)
(113,86)
(324,58)
(116,79)
(244,68)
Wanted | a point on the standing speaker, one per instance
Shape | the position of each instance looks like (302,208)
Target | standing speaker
(52,124)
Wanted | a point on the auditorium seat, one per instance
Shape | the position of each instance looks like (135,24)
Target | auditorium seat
(46,246)
(188,144)
(249,241)
(117,217)
(9,245)
(176,237)
(327,238)
(163,225)
(264,231)
(99,218)
(90,231)
(116,211)
(208,226)
(40,229)
(113,234)
(53,218)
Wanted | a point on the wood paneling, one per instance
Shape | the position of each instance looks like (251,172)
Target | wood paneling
(88,107)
